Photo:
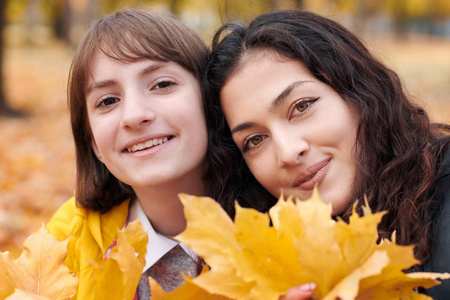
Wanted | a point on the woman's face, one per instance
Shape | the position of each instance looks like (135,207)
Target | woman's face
(293,130)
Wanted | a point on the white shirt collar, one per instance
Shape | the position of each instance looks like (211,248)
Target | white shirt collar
(158,245)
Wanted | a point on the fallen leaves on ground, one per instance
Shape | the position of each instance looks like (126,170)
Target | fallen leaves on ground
(305,244)
(40,270)
(37,163)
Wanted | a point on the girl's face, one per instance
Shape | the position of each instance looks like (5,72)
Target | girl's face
(147,121)
(293,130)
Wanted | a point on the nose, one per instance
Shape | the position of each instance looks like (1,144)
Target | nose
(289,148)
(136,112)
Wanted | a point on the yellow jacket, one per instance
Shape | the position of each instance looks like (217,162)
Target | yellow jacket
(91,235)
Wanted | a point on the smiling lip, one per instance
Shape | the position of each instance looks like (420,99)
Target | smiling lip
(312,176)
(146,144)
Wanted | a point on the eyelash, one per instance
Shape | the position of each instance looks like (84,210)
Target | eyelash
(301,102)
(171,84)
(102,102)
(246,148)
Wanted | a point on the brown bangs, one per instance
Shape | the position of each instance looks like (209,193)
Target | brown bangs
(163,39)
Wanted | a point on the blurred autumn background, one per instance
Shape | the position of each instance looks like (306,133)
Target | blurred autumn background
(37,161)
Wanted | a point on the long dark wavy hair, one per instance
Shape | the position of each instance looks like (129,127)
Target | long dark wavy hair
(128,36)
(398,148)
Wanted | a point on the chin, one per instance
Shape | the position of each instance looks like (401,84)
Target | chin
(339,207)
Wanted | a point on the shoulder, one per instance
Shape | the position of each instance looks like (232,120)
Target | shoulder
(61,222)
(442,188)
(445,160)
(440,237)
(91,233)
(70,218)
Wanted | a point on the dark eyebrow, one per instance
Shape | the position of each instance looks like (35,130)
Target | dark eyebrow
(150,69)
(243,126)
(106,83)
(284,94)
(99,85)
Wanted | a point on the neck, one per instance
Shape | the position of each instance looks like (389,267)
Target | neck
(163,207)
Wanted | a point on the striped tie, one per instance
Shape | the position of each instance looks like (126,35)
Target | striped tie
(166,271)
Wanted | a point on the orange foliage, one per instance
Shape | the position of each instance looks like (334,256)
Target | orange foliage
(37,161)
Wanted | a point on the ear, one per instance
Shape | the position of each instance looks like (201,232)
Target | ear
(95,149)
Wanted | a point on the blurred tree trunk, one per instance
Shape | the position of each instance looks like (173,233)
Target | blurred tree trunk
(33,17)
(62,22)
(299,4)
(273,4)
(400,18)
(5,109)
(93,11)
(174,7)
(361,16)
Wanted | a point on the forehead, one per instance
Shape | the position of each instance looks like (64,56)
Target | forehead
(98,61)
(257,59)
(127,50)
(263,74)
(102,66)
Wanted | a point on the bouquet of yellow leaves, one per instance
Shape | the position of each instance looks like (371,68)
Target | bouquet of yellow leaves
(249,259)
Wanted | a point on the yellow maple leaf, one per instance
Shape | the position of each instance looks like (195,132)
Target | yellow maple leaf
(22,295)
(305,244)
(386,285)
(39,270)
(314,239)
(188,291)
(118,276)
(217,242)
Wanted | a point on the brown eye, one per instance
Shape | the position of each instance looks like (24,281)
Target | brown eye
(302,106)
(256,140)
(108,102)
(163,85)
(253,142)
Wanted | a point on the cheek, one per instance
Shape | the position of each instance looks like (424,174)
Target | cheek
(192,117)
(264,169)
(187,108)
(347,143)
(192,121)
(101,135)
(340,127)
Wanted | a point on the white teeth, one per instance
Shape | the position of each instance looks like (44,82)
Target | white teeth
(147,144)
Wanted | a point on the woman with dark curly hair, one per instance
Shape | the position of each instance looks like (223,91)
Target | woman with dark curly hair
(302,101)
